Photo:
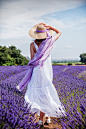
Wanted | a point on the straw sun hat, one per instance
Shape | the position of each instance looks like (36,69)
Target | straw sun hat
(39,32)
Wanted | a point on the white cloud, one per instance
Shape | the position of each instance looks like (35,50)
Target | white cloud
(17,17)
(36,8)
(68,46)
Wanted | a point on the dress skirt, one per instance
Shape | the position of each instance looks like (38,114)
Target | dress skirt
(41,94)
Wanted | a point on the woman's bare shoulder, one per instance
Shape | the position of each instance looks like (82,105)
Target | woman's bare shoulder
(32,44)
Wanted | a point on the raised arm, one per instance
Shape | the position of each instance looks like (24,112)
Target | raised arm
(56,30)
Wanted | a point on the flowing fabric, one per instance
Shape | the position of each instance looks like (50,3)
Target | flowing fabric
(39,59)
(41,94)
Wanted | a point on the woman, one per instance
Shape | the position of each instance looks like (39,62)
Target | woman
(41,94)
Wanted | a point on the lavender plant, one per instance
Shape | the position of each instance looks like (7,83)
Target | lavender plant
(70,83)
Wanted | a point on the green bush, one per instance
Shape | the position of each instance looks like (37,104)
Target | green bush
(8,64)
(80,64)
(57,64)
(4,65)
(69,63)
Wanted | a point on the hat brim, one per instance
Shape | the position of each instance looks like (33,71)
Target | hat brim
(37,35)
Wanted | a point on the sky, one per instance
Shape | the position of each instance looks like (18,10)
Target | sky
(69,16)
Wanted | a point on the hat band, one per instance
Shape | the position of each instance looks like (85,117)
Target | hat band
(41,31)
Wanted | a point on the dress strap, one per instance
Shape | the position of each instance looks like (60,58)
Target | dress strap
(36,46)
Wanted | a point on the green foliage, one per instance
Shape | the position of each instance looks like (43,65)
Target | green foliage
(4,65)
(69,63)
(83,58)
(57,64)
(12,56)
(80,63)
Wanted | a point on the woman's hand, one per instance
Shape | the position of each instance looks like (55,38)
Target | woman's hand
(42,23)
(47,26)
(54,29)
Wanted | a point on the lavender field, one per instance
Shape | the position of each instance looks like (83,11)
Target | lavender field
(70,83)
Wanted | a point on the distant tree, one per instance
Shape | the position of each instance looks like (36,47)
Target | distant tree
(12,56)
(12,48)
(83,58)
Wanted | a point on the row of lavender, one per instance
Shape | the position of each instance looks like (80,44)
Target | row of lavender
(13,112)
(70,83)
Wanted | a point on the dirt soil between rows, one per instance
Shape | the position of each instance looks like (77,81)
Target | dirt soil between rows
(51,125)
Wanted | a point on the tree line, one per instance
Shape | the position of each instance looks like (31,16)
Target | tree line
(12,56)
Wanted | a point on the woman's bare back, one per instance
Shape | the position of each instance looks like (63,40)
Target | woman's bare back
(33,49)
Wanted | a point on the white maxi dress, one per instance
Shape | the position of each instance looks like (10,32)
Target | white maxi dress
(41,94)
